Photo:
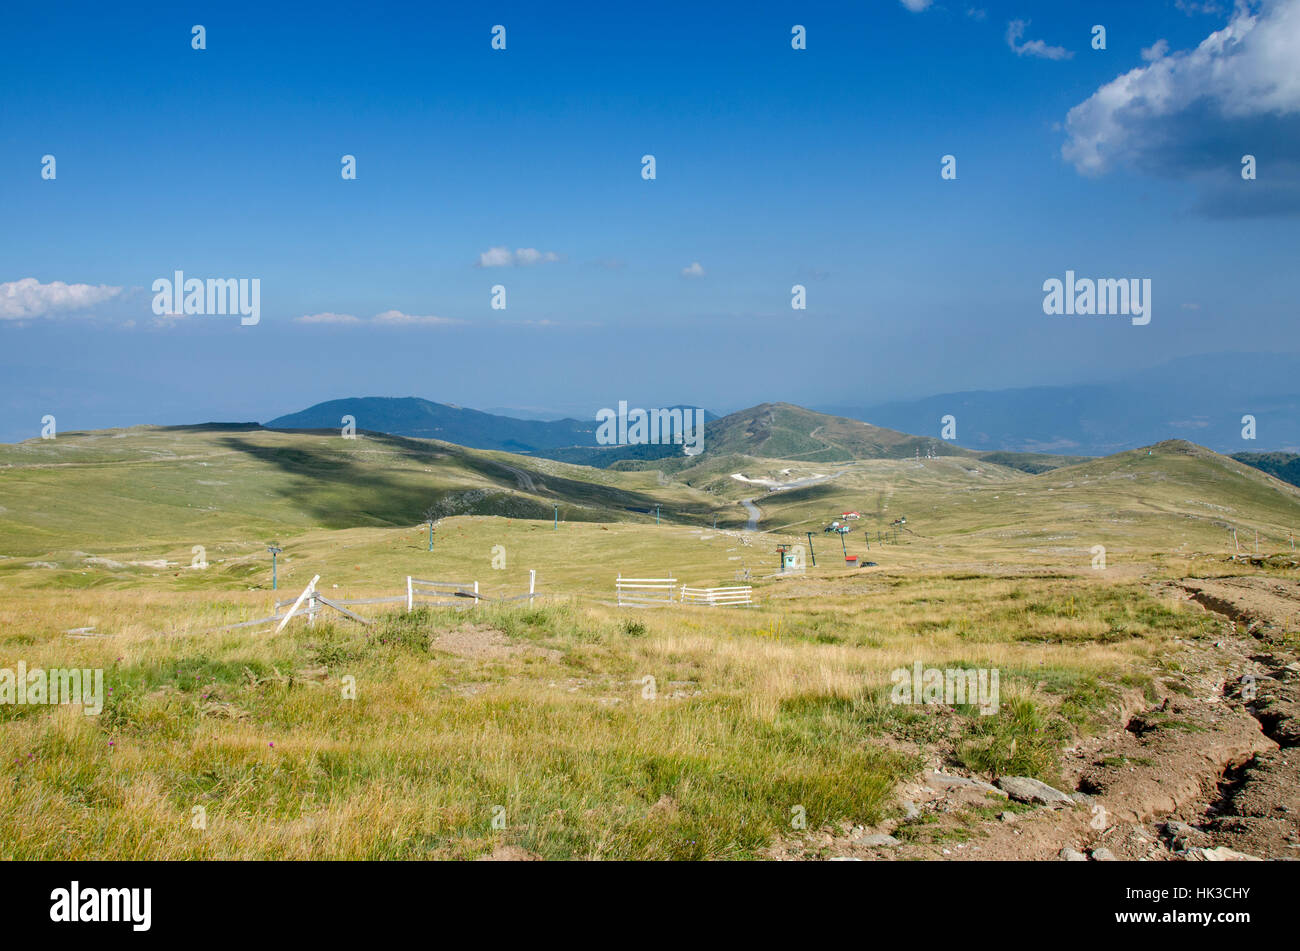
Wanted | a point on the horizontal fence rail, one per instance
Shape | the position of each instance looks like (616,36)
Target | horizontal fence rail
(735,595)
(457,594)
(645,592)
(439,594)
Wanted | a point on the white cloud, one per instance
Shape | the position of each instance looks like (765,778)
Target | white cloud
(1016,30)
(1155,51)
(694,269)
(533,256)
(916,6)
(496,257)
(1166,113)
(504,257)
(328,318)
(29,298)
(976,13)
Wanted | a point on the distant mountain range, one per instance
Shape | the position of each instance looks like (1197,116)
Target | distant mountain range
(1063,417)
(770,430)
(423,419)
(1200,399)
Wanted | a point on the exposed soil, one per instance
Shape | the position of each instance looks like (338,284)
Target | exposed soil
(1209,772)
(482,642)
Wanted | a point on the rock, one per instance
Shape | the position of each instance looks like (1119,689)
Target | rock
(845,858)
(1103,855)
(1221,854)
(1070,855)
(1181,836)
(909,809)
(877,841)
(1008,817)
(1173,828)
(1024,789)
(946,781)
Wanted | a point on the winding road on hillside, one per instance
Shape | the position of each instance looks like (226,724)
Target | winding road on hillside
(755,513)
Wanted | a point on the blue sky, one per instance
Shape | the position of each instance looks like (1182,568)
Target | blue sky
(775,166)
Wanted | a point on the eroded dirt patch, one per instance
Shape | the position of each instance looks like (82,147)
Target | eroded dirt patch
(1209,771)
(483,642)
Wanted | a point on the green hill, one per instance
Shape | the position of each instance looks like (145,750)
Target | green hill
(174,487)
(422,419)
(1280,465)
(792,433)
(153,493)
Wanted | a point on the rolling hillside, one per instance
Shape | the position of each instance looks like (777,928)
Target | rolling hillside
(144,494)
(163,490)
(1280,465)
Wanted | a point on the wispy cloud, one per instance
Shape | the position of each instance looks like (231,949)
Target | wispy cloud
(1016,31)
(694,269)
(916,6)
(28,298)
(1192,7)
(1155,51)
(328,318)
(390,318)
(396,317)
(504,257)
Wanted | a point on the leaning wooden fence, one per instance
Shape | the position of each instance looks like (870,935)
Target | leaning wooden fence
(310,603)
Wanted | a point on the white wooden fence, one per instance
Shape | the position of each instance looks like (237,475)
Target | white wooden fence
(736,595)
(655,592)
(645,592)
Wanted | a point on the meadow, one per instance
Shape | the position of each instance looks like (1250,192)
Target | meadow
(567,727)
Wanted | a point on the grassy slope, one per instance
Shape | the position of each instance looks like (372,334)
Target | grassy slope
(756,711)
(163,490)
(1281,465)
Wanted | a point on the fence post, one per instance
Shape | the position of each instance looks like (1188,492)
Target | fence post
(410,596)
(310,589)
(532,580)
(475,594)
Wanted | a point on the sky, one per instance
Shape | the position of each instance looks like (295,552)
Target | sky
(523,168)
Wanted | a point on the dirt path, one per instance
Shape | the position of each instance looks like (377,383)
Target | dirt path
(1209,771)
(755,513)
